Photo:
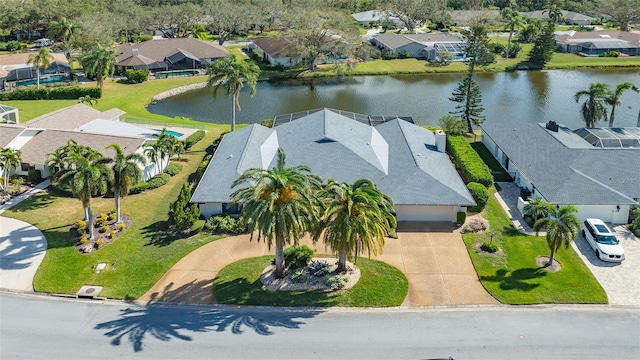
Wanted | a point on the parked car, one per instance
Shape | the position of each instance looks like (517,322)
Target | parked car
(43,42)
(602,240)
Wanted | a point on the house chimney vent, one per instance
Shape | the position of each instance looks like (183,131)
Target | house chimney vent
(441,141)
(552,125)
(134,52)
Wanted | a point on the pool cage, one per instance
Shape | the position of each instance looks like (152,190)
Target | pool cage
(372,120)
(611,137)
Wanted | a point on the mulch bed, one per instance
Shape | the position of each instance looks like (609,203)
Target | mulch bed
(542,263)
(92,245)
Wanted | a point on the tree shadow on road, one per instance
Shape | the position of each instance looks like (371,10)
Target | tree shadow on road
(163,321)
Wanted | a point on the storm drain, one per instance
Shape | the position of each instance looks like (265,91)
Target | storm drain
(88,291)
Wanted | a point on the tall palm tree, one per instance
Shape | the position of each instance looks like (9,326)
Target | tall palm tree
(562,226)
(126,172)
(280,203)
(65,28)
(9,160)
(86,176)
(232,74)
(40,59)
(162,148)
(99,61)
(537,209)
(555,13)
(357,217)
(593,109)
(511,15)
(614,98)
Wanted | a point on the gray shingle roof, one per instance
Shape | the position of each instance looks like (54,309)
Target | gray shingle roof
(158,50)
(568,174)
(395,41)
(8,133)
(71,117)
(399,157)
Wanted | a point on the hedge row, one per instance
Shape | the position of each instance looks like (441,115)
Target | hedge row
(193,139)
(468,161)
(57,93)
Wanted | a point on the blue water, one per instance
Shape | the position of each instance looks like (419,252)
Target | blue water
(47,80)
(170,132)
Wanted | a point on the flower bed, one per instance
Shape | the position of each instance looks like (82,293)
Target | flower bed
(105,231)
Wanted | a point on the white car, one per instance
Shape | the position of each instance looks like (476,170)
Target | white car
(602,240)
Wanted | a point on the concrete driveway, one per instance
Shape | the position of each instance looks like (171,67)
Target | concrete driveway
(432,256)
(22,248)
(621,281)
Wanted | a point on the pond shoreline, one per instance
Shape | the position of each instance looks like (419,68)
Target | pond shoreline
(178,90)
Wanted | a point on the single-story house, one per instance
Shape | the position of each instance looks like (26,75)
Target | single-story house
(421,46)
(16,71)
(276,51)
(404,160)
(81,123)
(470,17)
(594,43)
(379,17)
(570,17)
(597,170)
(169,54)
(9,114)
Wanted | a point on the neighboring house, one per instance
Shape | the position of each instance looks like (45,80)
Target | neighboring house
(594,43)
(16,71)
(379,17)
(470,17)
(570,17)
(81,123)
(169,54)
(598,170)
(9,114)
(421,46)
(404,160)
(276,51)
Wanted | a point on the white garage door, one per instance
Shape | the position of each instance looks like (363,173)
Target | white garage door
(425,213)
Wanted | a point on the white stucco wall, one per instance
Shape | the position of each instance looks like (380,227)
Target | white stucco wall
(426,213)
(607,213)
(208,209)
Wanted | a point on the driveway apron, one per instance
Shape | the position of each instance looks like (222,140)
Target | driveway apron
(22,248)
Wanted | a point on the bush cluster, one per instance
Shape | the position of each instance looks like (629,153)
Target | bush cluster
(298,256)
(137,76)
(34,176)
(461,217)
(469,163)
(489,247)
(337,282)
(225,224)
(634,220)
(173,169)
(193,139)
(480,195)
(319,268)
(611,53)
(158,180)
(203,166)
(58,93)
(12,45)
(299,276)
(139,187)
(475,225)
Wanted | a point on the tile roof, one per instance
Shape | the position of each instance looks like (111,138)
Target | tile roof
(399,157)
(8,61)
(572,174)
(276,46)
(71,117)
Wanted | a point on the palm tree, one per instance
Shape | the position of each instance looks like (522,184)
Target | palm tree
(536,209)
(9,160)
(279,203)
(357,217)
(86,176)
(65,28)
(562,226)
(232,74)
(99,61)
(66,47)
(555,14)
(152,151)
(614,98)
(40,59)
(161,148)
(511,15)
(593,109)
(58,161)
(126,172)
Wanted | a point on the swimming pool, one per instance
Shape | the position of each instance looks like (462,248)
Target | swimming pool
(170,132)
(46,80)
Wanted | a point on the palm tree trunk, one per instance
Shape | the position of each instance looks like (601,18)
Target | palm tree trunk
(613,114)
(509,42)
(342,260)
(38,78)
(234,100)
(638,124)
(116,194)
(550,262)
(279,262)
(90,222)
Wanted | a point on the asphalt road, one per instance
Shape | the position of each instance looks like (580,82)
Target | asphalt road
(36,327)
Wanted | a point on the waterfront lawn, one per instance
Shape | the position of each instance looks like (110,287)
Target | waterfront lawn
(136,260)
(380,285)
(512,275)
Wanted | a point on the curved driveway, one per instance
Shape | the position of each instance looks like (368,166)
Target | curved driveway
(432,256)
(22,248)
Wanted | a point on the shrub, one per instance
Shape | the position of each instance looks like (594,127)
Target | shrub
(298,256)
(83,240)
(612,53)
(267,123)
(182,214)
(337,282)
(82,231)
(475,225)
(489,247)
(515,49)
(99,242)
(497,48)
(104,228)
(226,224)
(452,125)
(137,76)
(113,234)
(112,216)
(404,54)
(468,161)
(57,93)
(99,222)
(138,188)
(461,217)
(34,176)
(13,45)
(145,37)
(104,216)
(319,268)
(121,227)
(173,169)
(80,224)
(480,195)
(158,180)
(193,139)
(299,276)
(634,220)
(203,166)
(198,226)
(389,55)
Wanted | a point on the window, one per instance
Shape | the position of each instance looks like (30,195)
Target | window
(230,208)
(25,166)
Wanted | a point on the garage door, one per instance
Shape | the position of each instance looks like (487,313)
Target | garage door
(425,213)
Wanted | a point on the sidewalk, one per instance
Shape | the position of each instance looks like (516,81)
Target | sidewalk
(508,199)
(16,200)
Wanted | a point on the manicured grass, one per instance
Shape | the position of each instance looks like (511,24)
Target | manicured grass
(498,172)
(141,255)
(512,275)
(380,285)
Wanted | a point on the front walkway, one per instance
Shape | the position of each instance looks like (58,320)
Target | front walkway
(508,199)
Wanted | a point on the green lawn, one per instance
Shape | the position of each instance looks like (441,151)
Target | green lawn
(498,172)
(141,255)
(513,277)
(380,285)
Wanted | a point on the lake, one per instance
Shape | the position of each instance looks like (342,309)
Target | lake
(537,96)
